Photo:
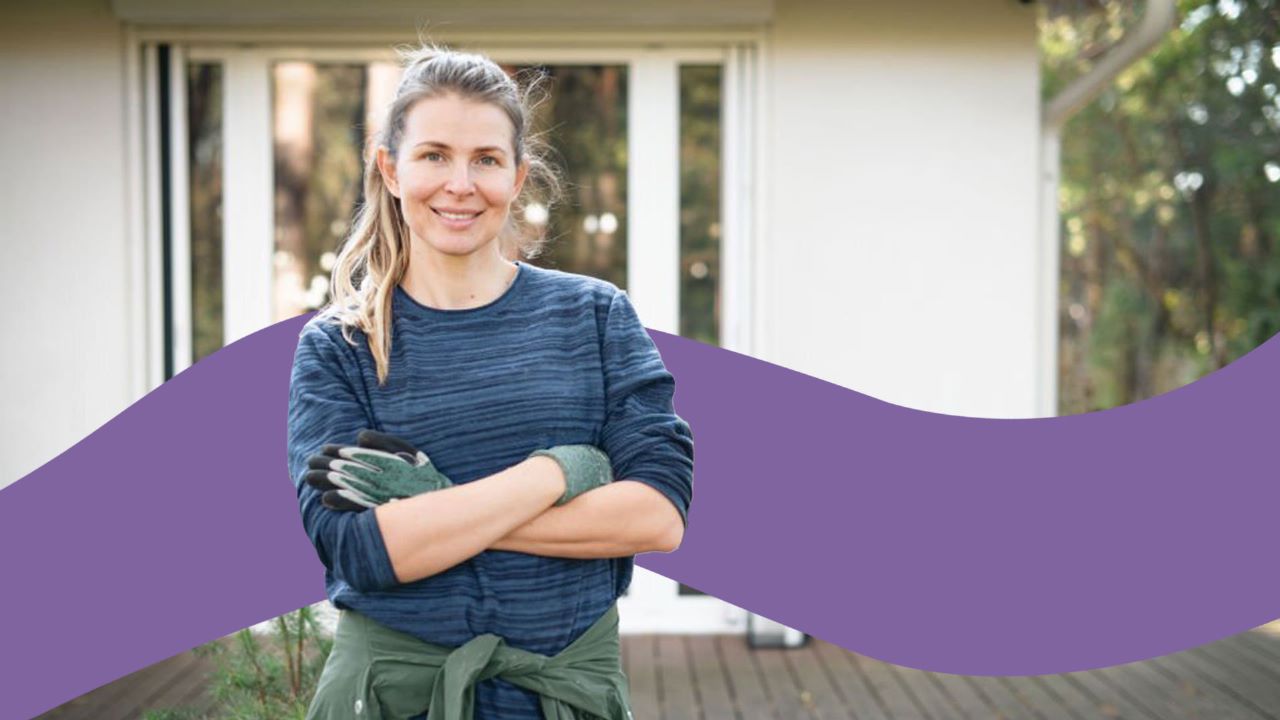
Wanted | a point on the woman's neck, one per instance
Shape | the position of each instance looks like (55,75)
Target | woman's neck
(458,282)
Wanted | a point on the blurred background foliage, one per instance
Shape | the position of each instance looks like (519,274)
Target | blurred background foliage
(1170,198)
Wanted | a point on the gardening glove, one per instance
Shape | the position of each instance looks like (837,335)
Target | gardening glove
(379,468)
(585,467)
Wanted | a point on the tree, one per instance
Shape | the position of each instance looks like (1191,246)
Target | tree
(1169,198)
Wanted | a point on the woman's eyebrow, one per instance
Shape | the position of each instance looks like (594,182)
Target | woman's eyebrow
(445,146)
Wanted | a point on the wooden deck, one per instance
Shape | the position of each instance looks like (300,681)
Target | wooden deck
(717,676)
(180,681)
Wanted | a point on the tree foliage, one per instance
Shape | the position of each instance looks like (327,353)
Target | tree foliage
(1170,198)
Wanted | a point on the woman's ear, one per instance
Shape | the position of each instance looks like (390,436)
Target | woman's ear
(522,172)
(387,167)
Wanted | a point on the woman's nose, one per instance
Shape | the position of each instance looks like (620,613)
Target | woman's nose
(459,180)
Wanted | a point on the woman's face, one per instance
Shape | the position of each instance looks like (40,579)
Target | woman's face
(455,174)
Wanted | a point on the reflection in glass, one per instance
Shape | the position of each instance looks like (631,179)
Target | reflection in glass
(584,119)
(319,134)
(700,202)
(204,162)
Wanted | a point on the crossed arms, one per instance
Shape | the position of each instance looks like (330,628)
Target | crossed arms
(513,510)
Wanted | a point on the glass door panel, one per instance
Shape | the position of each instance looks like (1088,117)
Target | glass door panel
(585,120)
(204,167)
(700,145)
(319,132)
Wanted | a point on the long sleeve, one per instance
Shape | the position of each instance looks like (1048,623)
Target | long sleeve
(324,408)
(642,435)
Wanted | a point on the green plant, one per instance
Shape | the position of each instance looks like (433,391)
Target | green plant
(267,676)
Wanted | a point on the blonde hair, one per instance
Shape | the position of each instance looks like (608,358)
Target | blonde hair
(375,256)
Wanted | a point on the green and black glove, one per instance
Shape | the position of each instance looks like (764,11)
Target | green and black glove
(377,469)
(585,467)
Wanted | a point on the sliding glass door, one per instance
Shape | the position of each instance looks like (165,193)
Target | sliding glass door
(257,165)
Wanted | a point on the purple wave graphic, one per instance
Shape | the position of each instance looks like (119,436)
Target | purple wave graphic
(952,544)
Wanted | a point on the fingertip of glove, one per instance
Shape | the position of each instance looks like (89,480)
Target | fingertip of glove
(334,500)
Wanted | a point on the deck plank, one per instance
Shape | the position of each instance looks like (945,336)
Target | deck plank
(743,677)
(858,694)
(1002,699)
(1236,647)
(1186,697)
(924,691)
(162,689)
(888,690)
(965,697)
(826,699)
(1112,704)
(679,697)
(709,677)
(1033,694)
(1222,679)
(1247,679)
(638,655)
(1082,704)
(1265,642)
(789,703)
(169,683)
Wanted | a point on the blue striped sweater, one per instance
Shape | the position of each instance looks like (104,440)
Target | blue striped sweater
(557,359)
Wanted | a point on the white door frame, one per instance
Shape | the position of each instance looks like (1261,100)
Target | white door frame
(653,265)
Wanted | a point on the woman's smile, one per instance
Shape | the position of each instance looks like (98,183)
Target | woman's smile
(457,219)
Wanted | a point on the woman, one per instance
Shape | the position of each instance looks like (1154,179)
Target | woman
(439,342)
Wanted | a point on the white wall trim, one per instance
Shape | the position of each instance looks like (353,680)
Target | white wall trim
(141,116)
(763,289)
(576,14)
(1048,276)
(514,54)
(653,189)
(738,198)
(180,217)
(134,222)
(668,38)
(248,192)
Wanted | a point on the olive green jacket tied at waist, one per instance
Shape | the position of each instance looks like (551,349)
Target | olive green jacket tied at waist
(378,673)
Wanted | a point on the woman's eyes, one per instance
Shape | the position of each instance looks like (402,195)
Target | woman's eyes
(486,160)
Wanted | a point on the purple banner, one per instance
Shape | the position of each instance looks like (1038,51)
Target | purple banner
(944,543)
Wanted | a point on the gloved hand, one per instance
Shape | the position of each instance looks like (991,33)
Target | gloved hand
(377,469)
(585,467)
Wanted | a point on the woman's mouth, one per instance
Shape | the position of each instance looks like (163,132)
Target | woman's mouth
(457,219)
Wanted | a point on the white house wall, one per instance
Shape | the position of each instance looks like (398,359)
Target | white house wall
(900,185)
(67,362)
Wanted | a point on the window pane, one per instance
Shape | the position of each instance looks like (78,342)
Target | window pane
(204,162)
(585,121)
(319,119)
(700,202)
